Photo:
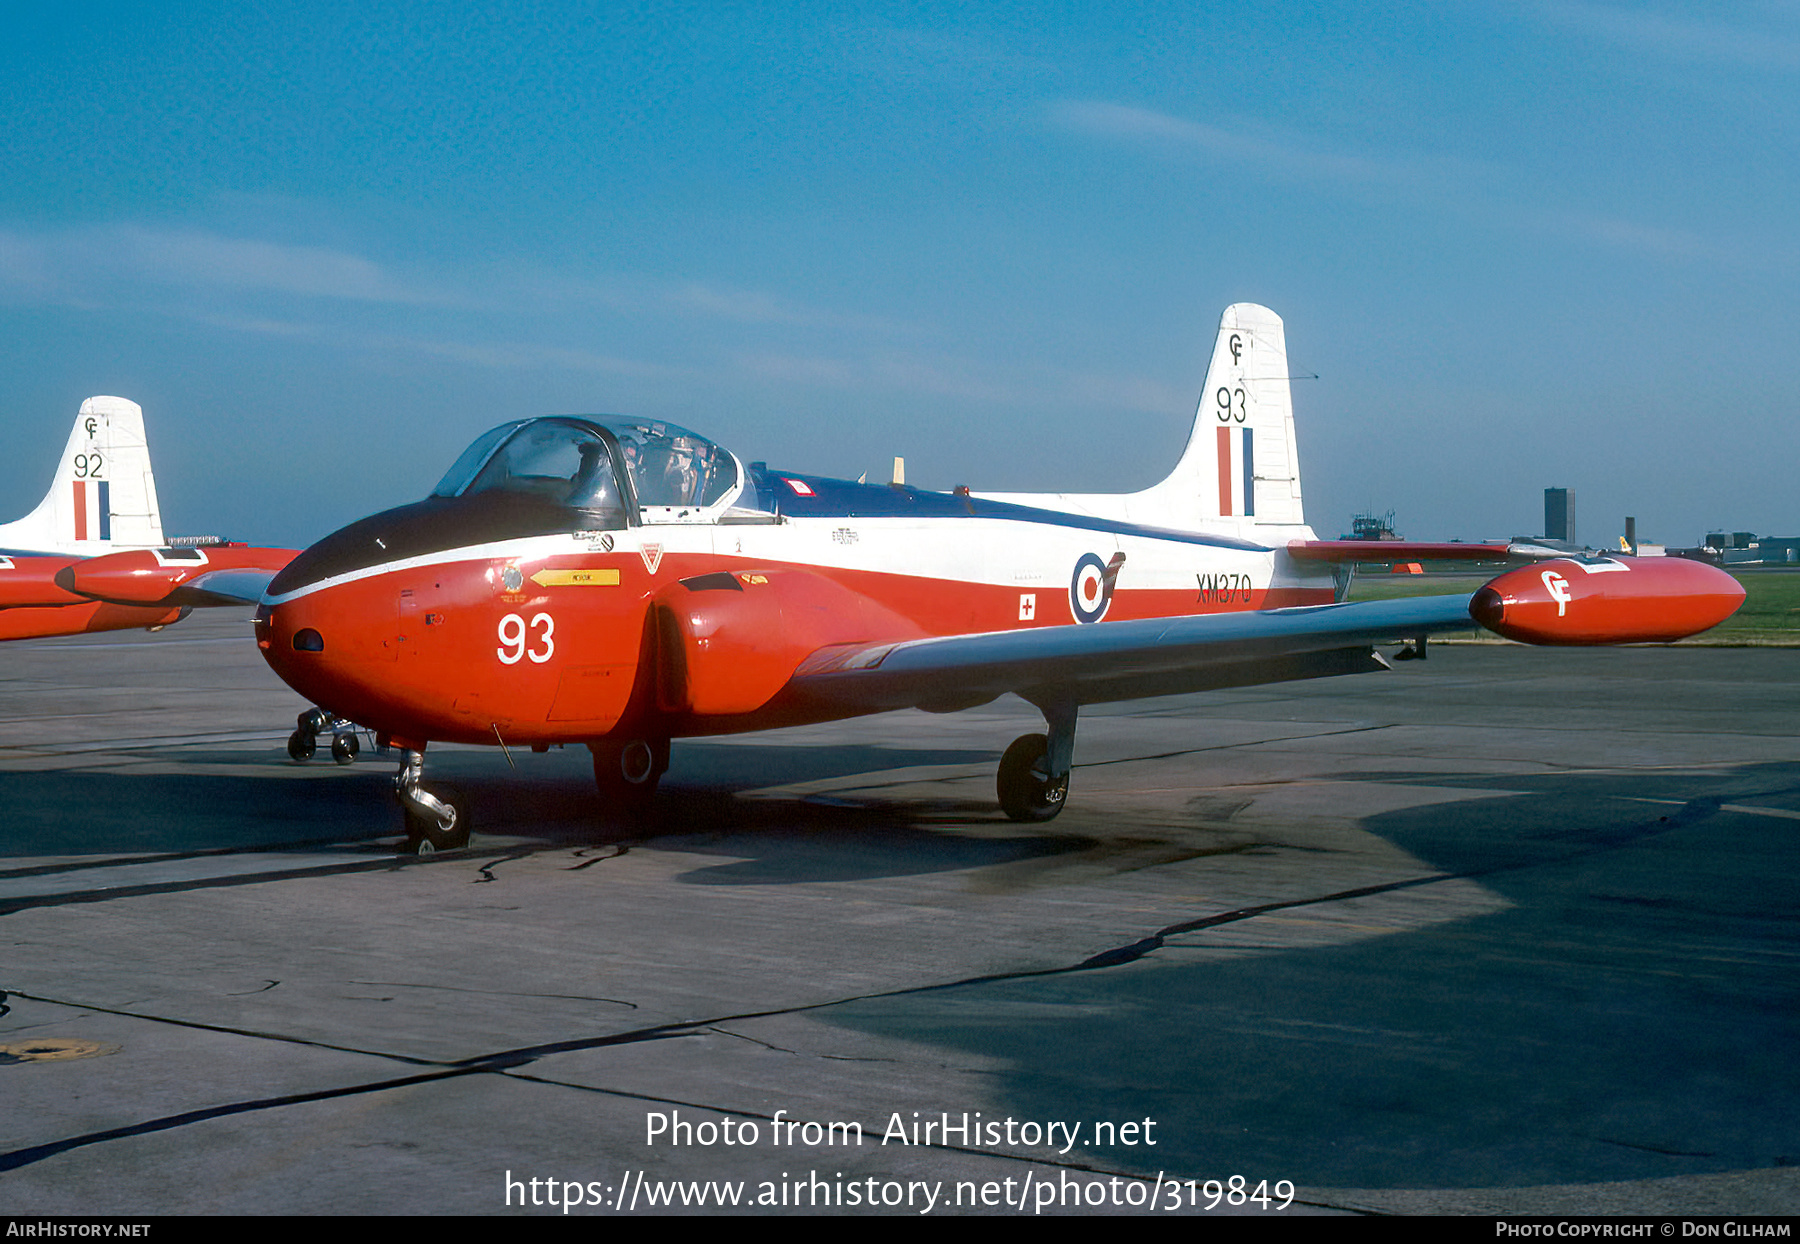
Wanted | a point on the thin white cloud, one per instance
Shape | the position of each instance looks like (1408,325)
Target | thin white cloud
(935,377)
(1683,38)
(967,380)
(102,261)
(513,355)
(1144,127)
(1470,188)
(1646,239)
(749,306)
(273,288)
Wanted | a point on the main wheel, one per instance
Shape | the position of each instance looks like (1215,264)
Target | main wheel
(301,746)
(626,773)
(1024,785)
(425,836)
(344,748)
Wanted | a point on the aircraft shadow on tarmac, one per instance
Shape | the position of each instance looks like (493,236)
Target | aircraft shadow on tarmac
(101,814)
(1630,1012)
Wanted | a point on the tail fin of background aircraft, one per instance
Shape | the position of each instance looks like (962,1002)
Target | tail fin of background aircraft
(1240,472)
(103,496)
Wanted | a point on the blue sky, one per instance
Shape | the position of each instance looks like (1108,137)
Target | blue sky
(326,245)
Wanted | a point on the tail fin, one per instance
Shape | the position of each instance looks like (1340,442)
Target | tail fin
(1240,473)
(1241,462)
(103,496)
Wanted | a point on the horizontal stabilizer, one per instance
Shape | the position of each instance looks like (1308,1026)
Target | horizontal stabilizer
(1396,551)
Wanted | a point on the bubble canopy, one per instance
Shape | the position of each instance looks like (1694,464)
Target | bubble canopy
(598,463)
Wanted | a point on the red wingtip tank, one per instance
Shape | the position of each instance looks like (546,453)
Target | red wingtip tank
(148,576)
(1624,600)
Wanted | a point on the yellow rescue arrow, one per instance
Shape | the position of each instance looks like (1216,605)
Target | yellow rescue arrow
(596,577)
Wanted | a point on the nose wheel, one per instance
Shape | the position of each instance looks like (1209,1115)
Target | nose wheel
(303,743)
(437,816)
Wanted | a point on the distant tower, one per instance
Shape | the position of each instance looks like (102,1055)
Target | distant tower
(1559,514)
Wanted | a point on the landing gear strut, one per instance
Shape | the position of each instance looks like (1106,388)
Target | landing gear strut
(626,772)
(437,817)
(1033,781)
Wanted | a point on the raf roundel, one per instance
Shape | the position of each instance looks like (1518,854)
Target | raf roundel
(1089,592)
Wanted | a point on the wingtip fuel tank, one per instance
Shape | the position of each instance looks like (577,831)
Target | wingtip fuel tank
(1611,600)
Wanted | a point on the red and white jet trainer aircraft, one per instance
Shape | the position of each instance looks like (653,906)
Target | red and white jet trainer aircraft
(620,582)
(91,556)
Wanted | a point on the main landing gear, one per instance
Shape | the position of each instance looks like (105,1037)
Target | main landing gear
(1033,781)
(437,817)
(304,741)
(626,772)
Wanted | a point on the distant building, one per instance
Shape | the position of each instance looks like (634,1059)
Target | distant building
(1780,550)
(1746,548)
(1371,526)
(1559,514)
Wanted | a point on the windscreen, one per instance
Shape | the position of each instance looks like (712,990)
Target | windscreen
(560,462)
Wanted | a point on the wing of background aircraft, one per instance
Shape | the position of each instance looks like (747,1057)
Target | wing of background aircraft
(92,556)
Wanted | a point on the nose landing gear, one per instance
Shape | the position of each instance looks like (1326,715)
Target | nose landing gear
(304,741)
(437,817)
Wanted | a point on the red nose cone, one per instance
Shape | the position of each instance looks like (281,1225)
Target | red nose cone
(1626,600)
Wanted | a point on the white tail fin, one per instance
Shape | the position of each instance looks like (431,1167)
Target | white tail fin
(103,496)
(1241,469)
(1241,462)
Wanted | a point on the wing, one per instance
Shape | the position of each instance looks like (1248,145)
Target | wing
(1120,660)
(1613,600)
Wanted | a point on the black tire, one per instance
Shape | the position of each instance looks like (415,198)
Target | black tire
(423,834)
(626,773)
(301,746)
(344,748)
(1024,785)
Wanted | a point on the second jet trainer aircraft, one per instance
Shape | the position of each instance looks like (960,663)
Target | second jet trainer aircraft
(92,556)
(620,582)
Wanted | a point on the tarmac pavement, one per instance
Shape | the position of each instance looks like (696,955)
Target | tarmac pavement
(1505,931)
